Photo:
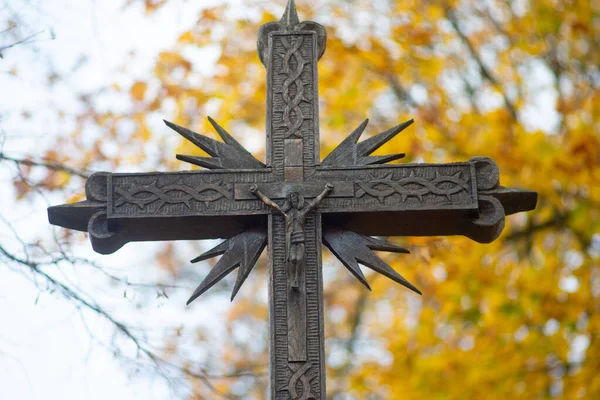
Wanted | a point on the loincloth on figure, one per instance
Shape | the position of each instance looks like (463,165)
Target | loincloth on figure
(297,237)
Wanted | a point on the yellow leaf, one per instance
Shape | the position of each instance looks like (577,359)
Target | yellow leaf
(138,90)
(186,38)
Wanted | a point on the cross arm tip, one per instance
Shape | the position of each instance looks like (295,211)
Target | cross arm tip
(514,200)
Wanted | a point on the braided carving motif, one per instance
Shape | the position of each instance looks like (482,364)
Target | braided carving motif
(293,116)
(418,187)
(172,194)
(300,375)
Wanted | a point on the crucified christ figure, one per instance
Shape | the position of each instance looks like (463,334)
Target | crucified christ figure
(295,211)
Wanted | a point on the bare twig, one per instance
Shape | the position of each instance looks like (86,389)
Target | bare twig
(485,72)
(82,303)
(22,41)
(52,166)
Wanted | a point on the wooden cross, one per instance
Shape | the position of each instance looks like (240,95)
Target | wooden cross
(293,203)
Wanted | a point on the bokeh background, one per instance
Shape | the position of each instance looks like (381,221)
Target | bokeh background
(84,87)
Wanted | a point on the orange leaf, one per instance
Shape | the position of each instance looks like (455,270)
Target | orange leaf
(138,90)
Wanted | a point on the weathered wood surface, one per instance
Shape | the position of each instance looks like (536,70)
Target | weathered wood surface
(297,347)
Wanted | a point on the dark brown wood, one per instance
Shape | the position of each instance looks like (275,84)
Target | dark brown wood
(350,153)
(294,153)
(230,154)
(253,205)
(241,251)
(292,118)
(352,248)
(295,211)
(281,190)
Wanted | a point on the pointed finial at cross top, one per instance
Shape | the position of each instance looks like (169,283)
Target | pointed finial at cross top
(290,19)
(289,22)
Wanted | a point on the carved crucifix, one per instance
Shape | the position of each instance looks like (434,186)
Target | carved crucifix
(349,197)
(295,213)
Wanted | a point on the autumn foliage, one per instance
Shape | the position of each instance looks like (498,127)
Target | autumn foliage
(516,81)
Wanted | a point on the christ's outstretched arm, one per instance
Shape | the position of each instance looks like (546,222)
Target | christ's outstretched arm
(265,199)
(310,206)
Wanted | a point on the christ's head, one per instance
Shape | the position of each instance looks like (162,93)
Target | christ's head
(296,200)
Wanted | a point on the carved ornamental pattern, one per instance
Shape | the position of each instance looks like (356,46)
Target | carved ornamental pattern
(300,378)
(293,65)
(178,193)
(412,185)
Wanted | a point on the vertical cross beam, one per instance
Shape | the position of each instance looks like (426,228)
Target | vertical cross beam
(297,362)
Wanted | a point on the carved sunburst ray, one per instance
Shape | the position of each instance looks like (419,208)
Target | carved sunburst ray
(227,154)
(352,248)
(351,153)
(240,251)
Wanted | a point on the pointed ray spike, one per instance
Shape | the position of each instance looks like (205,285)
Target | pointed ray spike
(368,146)
(356,134)
(458,175)
(381,159)
(412,174)
(372,261)
(345,154)
(234,148)
(335,241)
(241,251)
(219,272)
(437,174)
(420,198)
(290,18)
(203,142)
(382,245)
(214,252)
(378,265)
(229,154)
(254,242)
(227,138)
(352,265)
(205,162)
(352,248)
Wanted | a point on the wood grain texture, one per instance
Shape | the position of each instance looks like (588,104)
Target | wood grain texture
(296,316)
